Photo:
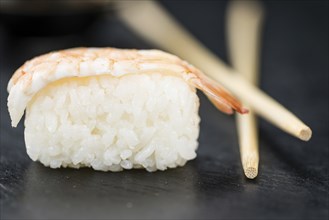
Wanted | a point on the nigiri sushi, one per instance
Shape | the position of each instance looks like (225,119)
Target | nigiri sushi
(112,109)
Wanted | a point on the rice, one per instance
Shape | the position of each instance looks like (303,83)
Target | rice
(113,123)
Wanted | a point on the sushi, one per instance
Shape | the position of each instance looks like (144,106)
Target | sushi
(111,109)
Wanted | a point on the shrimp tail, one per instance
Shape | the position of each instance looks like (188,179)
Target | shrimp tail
(220,97)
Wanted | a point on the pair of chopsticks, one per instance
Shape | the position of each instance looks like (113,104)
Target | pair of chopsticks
(150,21)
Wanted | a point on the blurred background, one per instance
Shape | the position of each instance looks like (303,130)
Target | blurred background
(293,177)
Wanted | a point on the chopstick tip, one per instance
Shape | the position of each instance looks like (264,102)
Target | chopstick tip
(305,134)
(251,172)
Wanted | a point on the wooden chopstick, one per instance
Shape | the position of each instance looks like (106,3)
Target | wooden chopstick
(150,21)
(244,21)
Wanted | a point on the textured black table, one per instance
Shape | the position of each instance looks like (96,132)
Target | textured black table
(293,177)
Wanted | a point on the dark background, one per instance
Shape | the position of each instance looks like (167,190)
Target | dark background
(293,176)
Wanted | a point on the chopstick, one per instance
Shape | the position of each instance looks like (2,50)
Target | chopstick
(151,22)
(244,21)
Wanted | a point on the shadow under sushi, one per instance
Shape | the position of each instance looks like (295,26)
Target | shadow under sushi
(129,194)
(50,193)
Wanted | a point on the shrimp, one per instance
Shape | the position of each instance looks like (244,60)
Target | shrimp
(80,62)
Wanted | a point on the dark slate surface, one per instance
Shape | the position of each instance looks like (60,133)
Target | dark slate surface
(293,178)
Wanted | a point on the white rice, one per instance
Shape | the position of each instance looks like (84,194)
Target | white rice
(108,123)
